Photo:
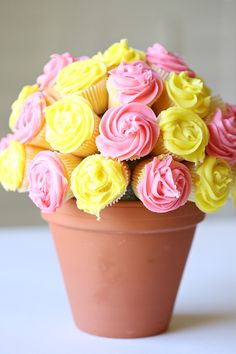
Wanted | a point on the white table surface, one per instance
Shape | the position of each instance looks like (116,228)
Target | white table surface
(35,316)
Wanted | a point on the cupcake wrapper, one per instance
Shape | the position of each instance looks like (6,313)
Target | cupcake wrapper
(138,174)
(160,149)
(193,173)
(89,147)
(162,103)
(30,153)
(51,94)
(97,95)
(113,101)
(127,174)
(70,162)
(164,74)
(40,140)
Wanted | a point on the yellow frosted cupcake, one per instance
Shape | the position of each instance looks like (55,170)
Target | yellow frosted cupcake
(187,92)
(13,163)
(72,126)
(88,79)
(211,184)
(16,106)
(97,182)
(118,52)
(183,134)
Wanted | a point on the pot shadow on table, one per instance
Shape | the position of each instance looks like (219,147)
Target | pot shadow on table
(190,321)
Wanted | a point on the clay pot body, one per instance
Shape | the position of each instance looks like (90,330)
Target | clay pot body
(122,272)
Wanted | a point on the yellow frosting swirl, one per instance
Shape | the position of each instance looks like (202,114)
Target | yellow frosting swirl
(70,122)
(80,75)
(16,106)
(96,182)
(117,52)
(234,185)
(184,133)
(212,184)
(189,92)
(12,166)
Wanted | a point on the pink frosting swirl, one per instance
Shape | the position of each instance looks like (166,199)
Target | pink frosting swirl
(31,118)
(47,182)
(222,129)
(165,185)
(128,131)
(4,142)
(167,61)
(135,82)
(52,69)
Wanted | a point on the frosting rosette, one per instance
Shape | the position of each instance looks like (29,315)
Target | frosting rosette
(183,133)
(222,129)
(13,162)
(190,93)
(133,82)
(212,181)
(97,182)
(4,142)
(17,105)
(31,119)
(49,179)
(128,132)
(72,126)
(52,69)
(159,57)
(117,52)
(162,184)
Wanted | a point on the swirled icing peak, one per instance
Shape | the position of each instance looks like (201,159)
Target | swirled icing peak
(189,93)
(222,129)
(80,75)
(135,82)
(128,131)
(52,69)
(165,185)
(117,52)
(167,61)
(97,182)
(212,184)
(47,181)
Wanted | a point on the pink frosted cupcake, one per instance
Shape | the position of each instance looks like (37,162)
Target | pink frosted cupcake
(222,129)
(128,132)
(162,185)
(163,61)
(52,69)
(133,82)
(49,176)
(30,125)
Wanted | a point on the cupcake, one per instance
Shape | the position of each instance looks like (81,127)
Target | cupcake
(222,129)
(72,126)
(88,79)
(186,92)
(98,182)
(117,53)
(211,183)
(183,134)
(165,62)
(127,132)
(17,105)
(133,82)
(234,185)
(52,69)
(162,184)
(49,176)
(30,125)
(13,163)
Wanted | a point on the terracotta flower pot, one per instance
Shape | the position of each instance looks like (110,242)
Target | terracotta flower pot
(122,273)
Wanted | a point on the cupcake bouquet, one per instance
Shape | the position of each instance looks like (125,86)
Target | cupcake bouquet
(122,124)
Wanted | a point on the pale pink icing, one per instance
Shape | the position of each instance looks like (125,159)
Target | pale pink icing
(159,56)
(47,182)
(128,131)
(4,142)
(222,129)
(52,69)
(135,82)
(31,118)
(165,185)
